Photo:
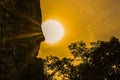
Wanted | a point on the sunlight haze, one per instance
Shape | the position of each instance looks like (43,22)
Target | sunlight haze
(87,20)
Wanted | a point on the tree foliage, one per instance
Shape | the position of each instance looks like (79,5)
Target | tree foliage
(101,61)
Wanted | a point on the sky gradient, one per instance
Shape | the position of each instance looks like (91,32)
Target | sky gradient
(87,20)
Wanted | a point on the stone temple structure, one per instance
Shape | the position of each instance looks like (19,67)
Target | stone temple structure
(20,36)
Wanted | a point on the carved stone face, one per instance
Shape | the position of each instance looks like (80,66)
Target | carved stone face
(20,30)
(21,24)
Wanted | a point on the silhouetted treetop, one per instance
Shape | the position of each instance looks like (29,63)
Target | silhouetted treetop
(101,61)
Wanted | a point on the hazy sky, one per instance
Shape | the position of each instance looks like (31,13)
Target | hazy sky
(87,20)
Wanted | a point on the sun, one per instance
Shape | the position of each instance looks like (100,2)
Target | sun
(53,31)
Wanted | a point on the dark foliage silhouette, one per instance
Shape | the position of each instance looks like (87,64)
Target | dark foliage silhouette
(101,61)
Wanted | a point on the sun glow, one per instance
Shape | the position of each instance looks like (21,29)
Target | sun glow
(53,31)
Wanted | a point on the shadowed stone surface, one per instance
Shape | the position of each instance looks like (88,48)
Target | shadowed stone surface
(20,36)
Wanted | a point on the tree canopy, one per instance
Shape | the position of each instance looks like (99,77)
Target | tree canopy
(100,61)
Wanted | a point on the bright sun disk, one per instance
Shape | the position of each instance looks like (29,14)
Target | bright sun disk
(53,31)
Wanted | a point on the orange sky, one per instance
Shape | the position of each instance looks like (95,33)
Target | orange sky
(87,20)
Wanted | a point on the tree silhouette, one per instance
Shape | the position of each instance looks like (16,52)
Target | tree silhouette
(57,67)
(101,61)
(105,59)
